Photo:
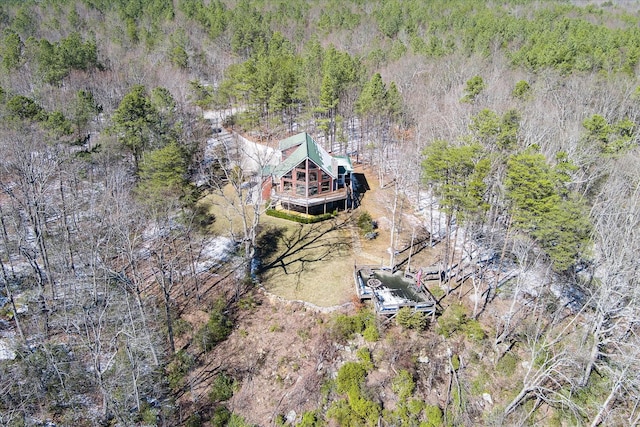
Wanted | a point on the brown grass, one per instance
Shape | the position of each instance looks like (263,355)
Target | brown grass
(313,262)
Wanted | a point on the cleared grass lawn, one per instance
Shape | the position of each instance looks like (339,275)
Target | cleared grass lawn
(308,262)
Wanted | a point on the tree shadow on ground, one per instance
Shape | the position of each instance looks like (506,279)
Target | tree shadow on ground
(292,249)
(268,240)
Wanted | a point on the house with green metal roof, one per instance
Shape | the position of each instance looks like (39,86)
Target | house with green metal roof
(308,179)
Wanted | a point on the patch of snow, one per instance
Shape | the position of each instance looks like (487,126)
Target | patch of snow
(487,398)
(423,359)
(435,220)
(219,250)
(21,307)
(6,349)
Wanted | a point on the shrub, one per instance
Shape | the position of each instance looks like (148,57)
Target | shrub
(451,320)
(310,419)
(222,388)
(217,328)
(455,320)
(344,327)
(507,364)
(304,334)
(415,406)
(221,416)
(475,85)
(21,107)
(355,412)
(364,354)
(366,410)
(479,383)
(288,215)
(356,409)
(237,421)
(371,333)
(521,89)
(403,385)
(181,327)
(473,330)
(194,420)
(455,362)
(350,378)
(248,303)
(365,223)
(364,319)
(410,319)
(433,415)
(148,415)
(276,328)
(179,367)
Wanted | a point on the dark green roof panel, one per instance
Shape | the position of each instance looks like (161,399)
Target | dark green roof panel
(307,148)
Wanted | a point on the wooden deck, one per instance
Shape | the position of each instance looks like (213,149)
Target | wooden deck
(387,300)
(320,199)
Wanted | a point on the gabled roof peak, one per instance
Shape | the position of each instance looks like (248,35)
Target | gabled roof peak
(295,140)
(306,147)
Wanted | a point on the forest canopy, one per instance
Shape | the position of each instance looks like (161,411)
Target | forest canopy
(520,117)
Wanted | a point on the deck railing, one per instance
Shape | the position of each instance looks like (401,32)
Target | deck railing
(318,199)
(428,305)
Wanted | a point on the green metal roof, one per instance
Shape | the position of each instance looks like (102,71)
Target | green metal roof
(294,140)
(344,161)
(307,148)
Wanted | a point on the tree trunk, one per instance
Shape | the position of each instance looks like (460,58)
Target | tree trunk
(392,249)
(166,294)
(606,406)
(595,348)
(447,244)
(66,227)
(9,292)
